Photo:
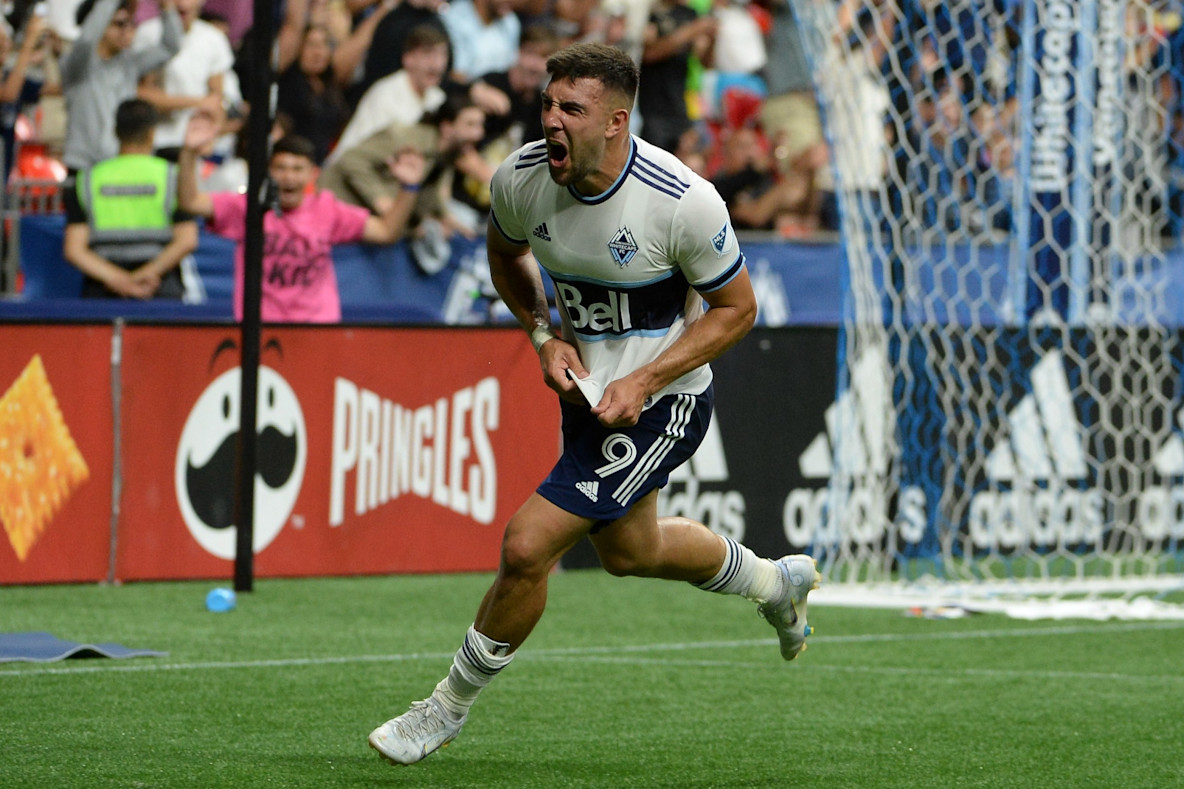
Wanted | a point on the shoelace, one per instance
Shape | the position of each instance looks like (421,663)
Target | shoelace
(419,721)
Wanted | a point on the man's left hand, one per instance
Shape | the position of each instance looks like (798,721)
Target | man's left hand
(621,404)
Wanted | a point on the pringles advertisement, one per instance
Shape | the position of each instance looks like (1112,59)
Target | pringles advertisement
(379,450)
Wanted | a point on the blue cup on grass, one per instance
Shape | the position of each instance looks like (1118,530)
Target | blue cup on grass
(219,600)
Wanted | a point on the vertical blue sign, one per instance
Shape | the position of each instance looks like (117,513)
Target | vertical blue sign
(1050,241)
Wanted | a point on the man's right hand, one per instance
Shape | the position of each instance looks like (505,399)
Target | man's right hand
(408,167)
(202,130)
(138,285)
(557,356)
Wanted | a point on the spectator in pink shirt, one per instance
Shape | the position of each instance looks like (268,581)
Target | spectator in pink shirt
(299,282)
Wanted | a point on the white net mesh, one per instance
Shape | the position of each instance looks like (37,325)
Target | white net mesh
(1010,388)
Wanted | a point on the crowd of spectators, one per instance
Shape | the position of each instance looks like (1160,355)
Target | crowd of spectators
(725,84)
(349,71)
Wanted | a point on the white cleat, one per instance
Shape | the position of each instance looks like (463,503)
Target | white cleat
(419,731)
(787,614)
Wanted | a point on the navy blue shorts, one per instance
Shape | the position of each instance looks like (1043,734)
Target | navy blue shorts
(604,471)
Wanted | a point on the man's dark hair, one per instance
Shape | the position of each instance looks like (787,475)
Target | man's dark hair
(612,67)
(88,5)
(295,145)
(423,37)
(450,110)
(134,120)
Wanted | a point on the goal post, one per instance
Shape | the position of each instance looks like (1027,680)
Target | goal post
(1010,390)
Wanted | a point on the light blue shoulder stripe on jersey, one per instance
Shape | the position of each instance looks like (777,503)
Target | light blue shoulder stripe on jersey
(532,157)
(656,176)
(600,198)
(723,279)
(502,230)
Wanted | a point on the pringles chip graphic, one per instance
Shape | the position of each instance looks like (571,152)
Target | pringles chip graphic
(40,465)
(205,472)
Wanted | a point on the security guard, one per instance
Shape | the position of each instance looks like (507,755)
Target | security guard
(123,229)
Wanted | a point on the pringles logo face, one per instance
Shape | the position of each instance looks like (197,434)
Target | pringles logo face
(207,454)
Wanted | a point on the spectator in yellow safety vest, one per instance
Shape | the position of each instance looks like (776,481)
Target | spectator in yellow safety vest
(124,230)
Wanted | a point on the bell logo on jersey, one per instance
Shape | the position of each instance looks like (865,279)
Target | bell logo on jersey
(611,316)
(622,247)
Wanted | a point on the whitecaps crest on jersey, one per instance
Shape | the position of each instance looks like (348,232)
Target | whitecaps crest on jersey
(622,247)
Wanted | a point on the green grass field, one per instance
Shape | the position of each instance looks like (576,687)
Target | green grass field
(625,683)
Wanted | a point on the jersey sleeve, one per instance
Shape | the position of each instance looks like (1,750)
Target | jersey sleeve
(501,204)
(704,242)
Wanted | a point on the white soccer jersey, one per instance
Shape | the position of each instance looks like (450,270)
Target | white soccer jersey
(629,264)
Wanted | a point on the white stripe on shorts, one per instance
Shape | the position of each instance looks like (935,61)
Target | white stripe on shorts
(680,415)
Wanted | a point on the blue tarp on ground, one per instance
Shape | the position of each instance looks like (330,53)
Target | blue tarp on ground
(41,647)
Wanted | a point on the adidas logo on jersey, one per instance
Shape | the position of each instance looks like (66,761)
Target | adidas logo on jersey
(589,489)
(541,232)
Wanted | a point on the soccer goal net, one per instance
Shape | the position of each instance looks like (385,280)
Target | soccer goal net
(1009,415)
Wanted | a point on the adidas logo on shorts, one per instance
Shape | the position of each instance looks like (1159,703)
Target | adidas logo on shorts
(589,489)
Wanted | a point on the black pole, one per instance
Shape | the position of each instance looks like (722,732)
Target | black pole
(258,130)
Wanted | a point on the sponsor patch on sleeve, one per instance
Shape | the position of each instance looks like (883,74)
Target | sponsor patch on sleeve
(720,240)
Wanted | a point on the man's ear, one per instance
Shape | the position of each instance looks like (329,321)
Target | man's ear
(618,123)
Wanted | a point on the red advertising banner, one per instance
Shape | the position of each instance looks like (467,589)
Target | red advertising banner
(55,453)
(380,450)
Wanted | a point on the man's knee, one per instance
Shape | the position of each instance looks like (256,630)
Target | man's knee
(525,554)
(623,564)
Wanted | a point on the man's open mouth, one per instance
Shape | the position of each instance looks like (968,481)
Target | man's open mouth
(556,153)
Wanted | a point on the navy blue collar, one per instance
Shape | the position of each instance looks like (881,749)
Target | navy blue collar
(607,193)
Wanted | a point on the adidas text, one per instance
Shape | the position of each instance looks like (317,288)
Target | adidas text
(1040,467)
(589,489)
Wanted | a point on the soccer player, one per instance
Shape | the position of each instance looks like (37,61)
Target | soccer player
(634,243)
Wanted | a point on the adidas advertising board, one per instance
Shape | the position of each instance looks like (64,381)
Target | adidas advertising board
(780,435)
(1038,483)
(1036,471)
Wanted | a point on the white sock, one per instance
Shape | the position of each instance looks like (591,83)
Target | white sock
(474,666)
(746,574)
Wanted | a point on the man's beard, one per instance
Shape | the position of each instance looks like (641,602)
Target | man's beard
(577,170)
